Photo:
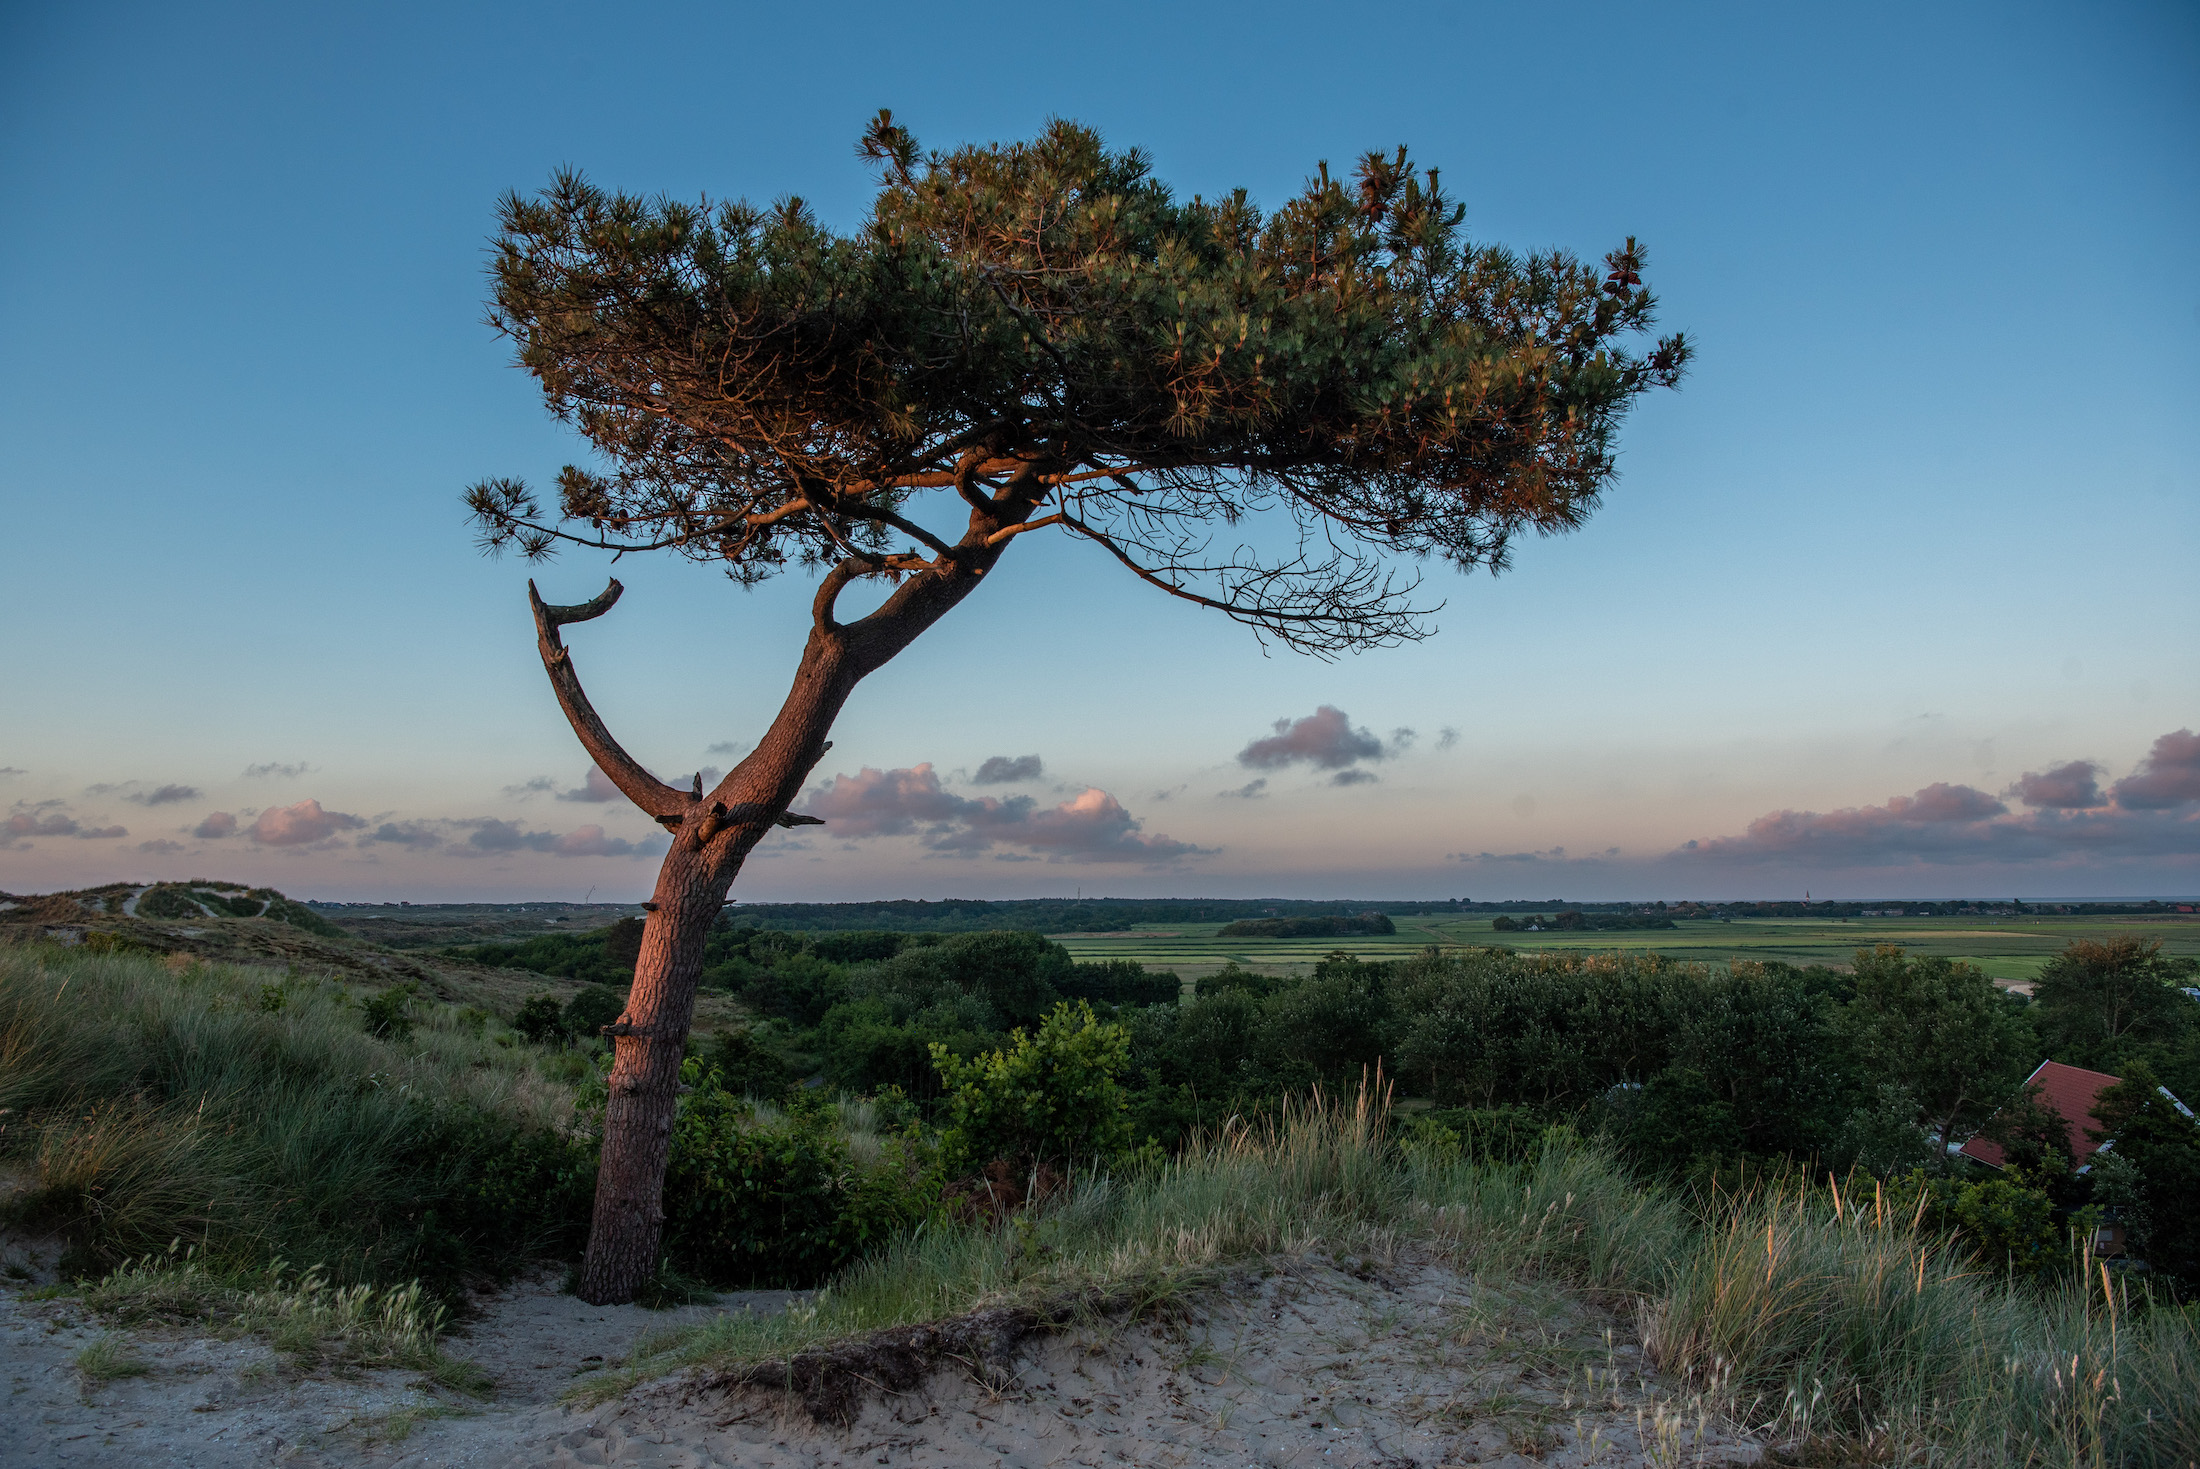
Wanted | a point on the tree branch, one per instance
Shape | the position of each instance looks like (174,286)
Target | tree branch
(622,769)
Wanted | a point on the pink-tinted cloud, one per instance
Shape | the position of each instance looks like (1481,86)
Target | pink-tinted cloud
(218,824)
(1324,739)
(885,803)
(2153,816)
(1008,769)
(300,825)
(45,819)
(2168,777)
(2075,786)
(1090,827)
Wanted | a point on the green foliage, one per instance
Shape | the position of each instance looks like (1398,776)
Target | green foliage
(2006,1224)
(388,1015)
(754,1204)
(745,1065)
(2157,1150)
(1050,1097)
(541,1019)
(1318,926)
(1119,982)
(581,956)
(1351,356)
(587,1013)
(2110,1004)
(1938,1030)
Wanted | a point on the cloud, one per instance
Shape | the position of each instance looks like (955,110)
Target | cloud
(22,824)
(160,846)
(2169,776)
(217,824)
(2072,787)
(1324,739)
(1446,737)
(494,836)
(416,834)
(277,770)
(535,787)
(300,825)
(594,786)
(8,772)
(42,819)
(1354,778)
(1252,790)
(1943,823)
(1004,769)
(1401,740)
(726,747)
(165,795)
(1090,827)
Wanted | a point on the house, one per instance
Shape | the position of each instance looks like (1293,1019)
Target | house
(2073,1092)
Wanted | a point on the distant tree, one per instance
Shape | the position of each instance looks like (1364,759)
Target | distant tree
(1044,335)
(2095,1002)
(1938,1030)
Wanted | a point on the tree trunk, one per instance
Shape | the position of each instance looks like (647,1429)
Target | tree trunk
(714,836)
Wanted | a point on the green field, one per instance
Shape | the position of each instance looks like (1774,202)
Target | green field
(2010,949)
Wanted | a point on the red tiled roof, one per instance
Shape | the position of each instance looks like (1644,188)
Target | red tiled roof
(2071,1091)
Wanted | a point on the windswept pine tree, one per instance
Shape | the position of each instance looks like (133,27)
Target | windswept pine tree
(1025,338)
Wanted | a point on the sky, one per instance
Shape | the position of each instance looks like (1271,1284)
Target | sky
(1895,596)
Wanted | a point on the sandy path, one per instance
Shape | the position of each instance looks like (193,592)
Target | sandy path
(1408,1364)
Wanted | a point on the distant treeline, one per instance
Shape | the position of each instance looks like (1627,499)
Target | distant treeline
(1314,926)
(1575,919)
(1043,915)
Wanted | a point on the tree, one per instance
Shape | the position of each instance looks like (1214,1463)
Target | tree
(1937,1029)
(2096,1002)
(1041,336)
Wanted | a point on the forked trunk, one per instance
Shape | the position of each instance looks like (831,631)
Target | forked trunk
(712,835)
(648,1041)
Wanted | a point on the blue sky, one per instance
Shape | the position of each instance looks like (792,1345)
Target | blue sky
(1923,516)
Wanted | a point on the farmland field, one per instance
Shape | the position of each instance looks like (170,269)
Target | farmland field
(2009,949)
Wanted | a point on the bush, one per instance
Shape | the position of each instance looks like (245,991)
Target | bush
(783,1205)
(1053,1097)
(746,1066)
(588,1012)
(388,1015)
(540,1020)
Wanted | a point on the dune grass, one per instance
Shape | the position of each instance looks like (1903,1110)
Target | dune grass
(1834,1330)
(150,1103)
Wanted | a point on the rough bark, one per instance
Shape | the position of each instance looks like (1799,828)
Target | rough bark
(713,833)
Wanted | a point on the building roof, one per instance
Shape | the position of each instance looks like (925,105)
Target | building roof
(2072,1092)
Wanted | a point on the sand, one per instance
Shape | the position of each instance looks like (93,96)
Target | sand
(1312,1362)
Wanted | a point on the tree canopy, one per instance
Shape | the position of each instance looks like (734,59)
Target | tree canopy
(1044,326)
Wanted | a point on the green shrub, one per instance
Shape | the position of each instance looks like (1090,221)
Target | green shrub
(540,1020)
(1051,1097)
(388,1015)
(750,1204)
(747,1065)
(588,1012)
